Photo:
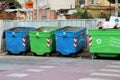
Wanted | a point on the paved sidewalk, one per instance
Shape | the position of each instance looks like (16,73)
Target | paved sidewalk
(3,53)
(84,54)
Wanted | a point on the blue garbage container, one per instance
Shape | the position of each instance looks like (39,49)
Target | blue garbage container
(69,40)
(17,39)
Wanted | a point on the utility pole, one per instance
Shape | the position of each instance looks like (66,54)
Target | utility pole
(37,10)
(116,8)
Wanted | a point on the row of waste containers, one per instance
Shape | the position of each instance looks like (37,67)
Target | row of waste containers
(66,41)
(40,41)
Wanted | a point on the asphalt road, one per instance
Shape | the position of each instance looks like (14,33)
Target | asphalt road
(58,68)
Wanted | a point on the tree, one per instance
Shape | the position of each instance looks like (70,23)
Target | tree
(12,2)
(79,12)
(113,1)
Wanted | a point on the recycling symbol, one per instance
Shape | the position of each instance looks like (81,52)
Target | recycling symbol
(98,41)
(116,20)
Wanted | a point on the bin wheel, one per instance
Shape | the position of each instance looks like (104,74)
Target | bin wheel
(23,53)
(58,54)
(8,53)
(47,55)
(30,54)
(73,55)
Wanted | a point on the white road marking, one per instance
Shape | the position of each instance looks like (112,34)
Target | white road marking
(110,70)
(113,66)
(93,79)
(115,62)
(46,66)
(105,74)
(17,75)
(35,70)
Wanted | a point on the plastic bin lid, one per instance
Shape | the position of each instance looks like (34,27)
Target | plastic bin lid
(16,29)
(46,29)
(70,31)
(70,28)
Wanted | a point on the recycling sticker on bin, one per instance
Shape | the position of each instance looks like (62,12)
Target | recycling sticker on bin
(114,19)
(98,41)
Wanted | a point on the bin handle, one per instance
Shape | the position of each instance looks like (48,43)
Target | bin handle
(64,34)
(37,35)
(13,34)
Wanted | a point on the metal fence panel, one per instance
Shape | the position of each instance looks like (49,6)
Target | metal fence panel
(89,23)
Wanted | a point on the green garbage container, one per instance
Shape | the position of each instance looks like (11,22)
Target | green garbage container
(42,40)
(104,43)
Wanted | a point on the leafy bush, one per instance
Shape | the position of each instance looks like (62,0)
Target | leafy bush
(82,14)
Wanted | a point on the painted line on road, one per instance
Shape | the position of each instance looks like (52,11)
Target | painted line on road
(105,74)
(34,70)
(48,67)
(94,79)
(19,75)
(110,70)
(113,66)
(115,62)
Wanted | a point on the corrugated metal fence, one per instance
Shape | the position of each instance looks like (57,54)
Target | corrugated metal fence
(88,23)
(6,24)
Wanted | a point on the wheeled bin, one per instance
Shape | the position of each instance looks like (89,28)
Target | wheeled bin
(42,40)
(104,43)
(17,39)
(70,40)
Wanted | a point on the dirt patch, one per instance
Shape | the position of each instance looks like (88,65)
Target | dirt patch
(7,15)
